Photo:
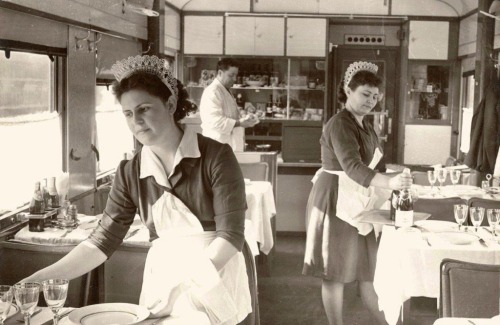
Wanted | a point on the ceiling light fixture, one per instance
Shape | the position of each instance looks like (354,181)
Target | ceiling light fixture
(141,7)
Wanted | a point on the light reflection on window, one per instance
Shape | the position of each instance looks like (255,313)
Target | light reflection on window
(114,139)
(30,130)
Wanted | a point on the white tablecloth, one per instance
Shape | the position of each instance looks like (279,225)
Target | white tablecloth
(261,208)
(408,267)
(464,191)
(45,315)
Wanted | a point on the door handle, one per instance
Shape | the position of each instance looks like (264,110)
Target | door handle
(389,125)
(384,138)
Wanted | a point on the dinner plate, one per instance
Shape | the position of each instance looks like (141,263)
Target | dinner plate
(112,313)
(436,225)
(458,238)
(14,309)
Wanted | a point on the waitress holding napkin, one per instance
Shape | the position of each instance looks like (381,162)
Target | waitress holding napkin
(339,249)
(189,192)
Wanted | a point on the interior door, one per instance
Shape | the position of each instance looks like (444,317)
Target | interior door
(383,116)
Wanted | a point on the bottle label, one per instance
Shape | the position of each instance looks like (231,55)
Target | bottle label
(404,219)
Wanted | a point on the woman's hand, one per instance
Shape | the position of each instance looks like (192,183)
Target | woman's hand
(400,181)
(162,308)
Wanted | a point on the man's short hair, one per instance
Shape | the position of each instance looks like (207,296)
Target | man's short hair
(226,63)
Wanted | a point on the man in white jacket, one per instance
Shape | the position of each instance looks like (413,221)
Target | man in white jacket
(220,119)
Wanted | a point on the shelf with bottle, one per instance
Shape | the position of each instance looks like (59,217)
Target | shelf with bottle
(428,94)
(297,85)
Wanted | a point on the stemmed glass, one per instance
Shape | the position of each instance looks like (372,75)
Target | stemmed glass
(5,302)
(431,176)
(455,176)
(493,216)
(55,292)
(476,216)
(460,211)
(441,176)
(27,298)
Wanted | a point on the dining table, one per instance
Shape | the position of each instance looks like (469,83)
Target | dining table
(45,316)
(467,321)
(408,260)
(261,209)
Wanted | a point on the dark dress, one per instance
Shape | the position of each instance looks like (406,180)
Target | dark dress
(334,249)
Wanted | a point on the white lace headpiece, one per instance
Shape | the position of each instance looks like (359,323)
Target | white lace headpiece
(355,68)
(146,63)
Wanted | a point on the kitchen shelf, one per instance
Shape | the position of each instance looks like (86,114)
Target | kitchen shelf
(428,107)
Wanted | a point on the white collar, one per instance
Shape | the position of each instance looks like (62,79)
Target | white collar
(151,165)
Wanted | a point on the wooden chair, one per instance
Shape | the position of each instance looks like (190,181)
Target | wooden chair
(440,209)
(486,204)
(257,171)
(469,289)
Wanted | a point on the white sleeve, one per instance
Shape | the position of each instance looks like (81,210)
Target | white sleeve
(212,114)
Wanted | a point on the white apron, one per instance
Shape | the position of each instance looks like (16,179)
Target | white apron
(178,257)
(354,198)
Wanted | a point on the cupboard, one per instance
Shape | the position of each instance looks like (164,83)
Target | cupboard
(255,36)
(203,34)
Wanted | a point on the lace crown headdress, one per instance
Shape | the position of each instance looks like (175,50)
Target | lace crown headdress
(355,68)
(149,64)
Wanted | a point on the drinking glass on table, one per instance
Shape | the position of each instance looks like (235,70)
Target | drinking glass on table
(55,292)
(27,298)
(493,216)
(460,211)
(432,177)
(441,176)
(476,216)
(485,185)
(455,176)
(5,302)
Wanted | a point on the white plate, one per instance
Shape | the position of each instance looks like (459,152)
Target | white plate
(458,238)
(113,313)
(437,225)
(13,310)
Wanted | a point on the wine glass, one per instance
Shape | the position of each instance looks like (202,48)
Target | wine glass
(55,292)
(460,211)
(431,176)
(27,298)
(493,216)
(5,302)
(476,216)
(455,176)
(441,176)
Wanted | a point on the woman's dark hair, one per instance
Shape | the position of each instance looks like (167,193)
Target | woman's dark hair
(155,87)
(361,78)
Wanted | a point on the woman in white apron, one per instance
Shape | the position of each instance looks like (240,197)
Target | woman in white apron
(190,193)
(339,249)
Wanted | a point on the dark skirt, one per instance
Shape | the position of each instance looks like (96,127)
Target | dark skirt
(334,249)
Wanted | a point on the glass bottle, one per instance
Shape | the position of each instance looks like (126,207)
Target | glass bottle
(404,207)
(269,107)
(37,205)
(46,196)
(54,196)
(240,102)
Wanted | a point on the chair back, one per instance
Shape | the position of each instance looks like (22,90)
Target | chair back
(257,171)
(486,204)
(469,289)
(254,317)
(439,209)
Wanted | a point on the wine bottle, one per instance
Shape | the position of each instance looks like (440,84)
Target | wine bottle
(54,196)
(37,205)
(404,207)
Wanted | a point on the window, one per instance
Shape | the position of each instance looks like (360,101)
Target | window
(114,139)
(30,127)
(468,83)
